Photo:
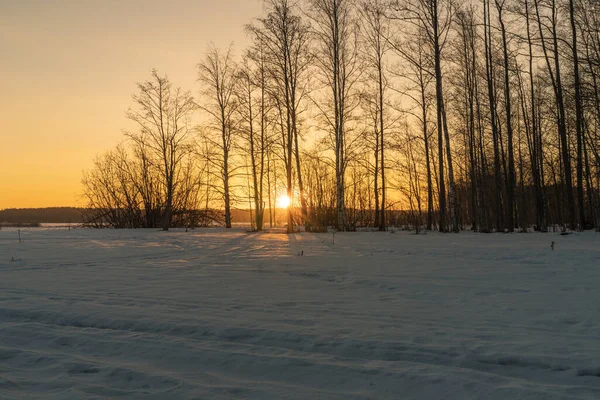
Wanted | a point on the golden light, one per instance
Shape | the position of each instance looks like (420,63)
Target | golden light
(283,201)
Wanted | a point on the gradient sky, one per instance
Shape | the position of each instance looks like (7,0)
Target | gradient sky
(67,72)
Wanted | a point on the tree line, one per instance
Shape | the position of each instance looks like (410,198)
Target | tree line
(433,114)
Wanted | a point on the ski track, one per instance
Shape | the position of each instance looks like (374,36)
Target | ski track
(216,314)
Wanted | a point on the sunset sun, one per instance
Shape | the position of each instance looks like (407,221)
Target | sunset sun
(283,201)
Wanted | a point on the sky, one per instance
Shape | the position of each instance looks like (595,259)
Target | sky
(68,69)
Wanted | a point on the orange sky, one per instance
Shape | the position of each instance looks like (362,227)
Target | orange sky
(67,72)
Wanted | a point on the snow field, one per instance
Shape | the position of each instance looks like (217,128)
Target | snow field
(216,314)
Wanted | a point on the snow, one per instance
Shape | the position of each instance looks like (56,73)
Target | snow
(216,314)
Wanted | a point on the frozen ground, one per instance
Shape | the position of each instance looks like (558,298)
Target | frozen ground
(211,314)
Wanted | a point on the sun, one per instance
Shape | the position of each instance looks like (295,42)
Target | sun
(283,201)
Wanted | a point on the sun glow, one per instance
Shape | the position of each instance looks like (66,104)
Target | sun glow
(283,201)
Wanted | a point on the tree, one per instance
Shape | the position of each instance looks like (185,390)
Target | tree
(535,140)
(250,80)
(578,116)
(413,48)
(162,115)
(375,32)
(435,18)
(550,24)
(284,40)
(336,29)
(218,73)
(510,180)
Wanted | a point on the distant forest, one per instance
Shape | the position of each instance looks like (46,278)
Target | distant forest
(51,215)
(73,215)
(480,115)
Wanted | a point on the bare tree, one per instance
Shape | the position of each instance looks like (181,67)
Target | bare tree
(548,25)
(375,32)
(284,37)
(492,112)
(162,115)
(535,140)
(578,116)
(510,180)
(218,74)
(248,84)
(336,28)
(435,18)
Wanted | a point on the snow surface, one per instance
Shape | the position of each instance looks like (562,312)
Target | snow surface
(215,314)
